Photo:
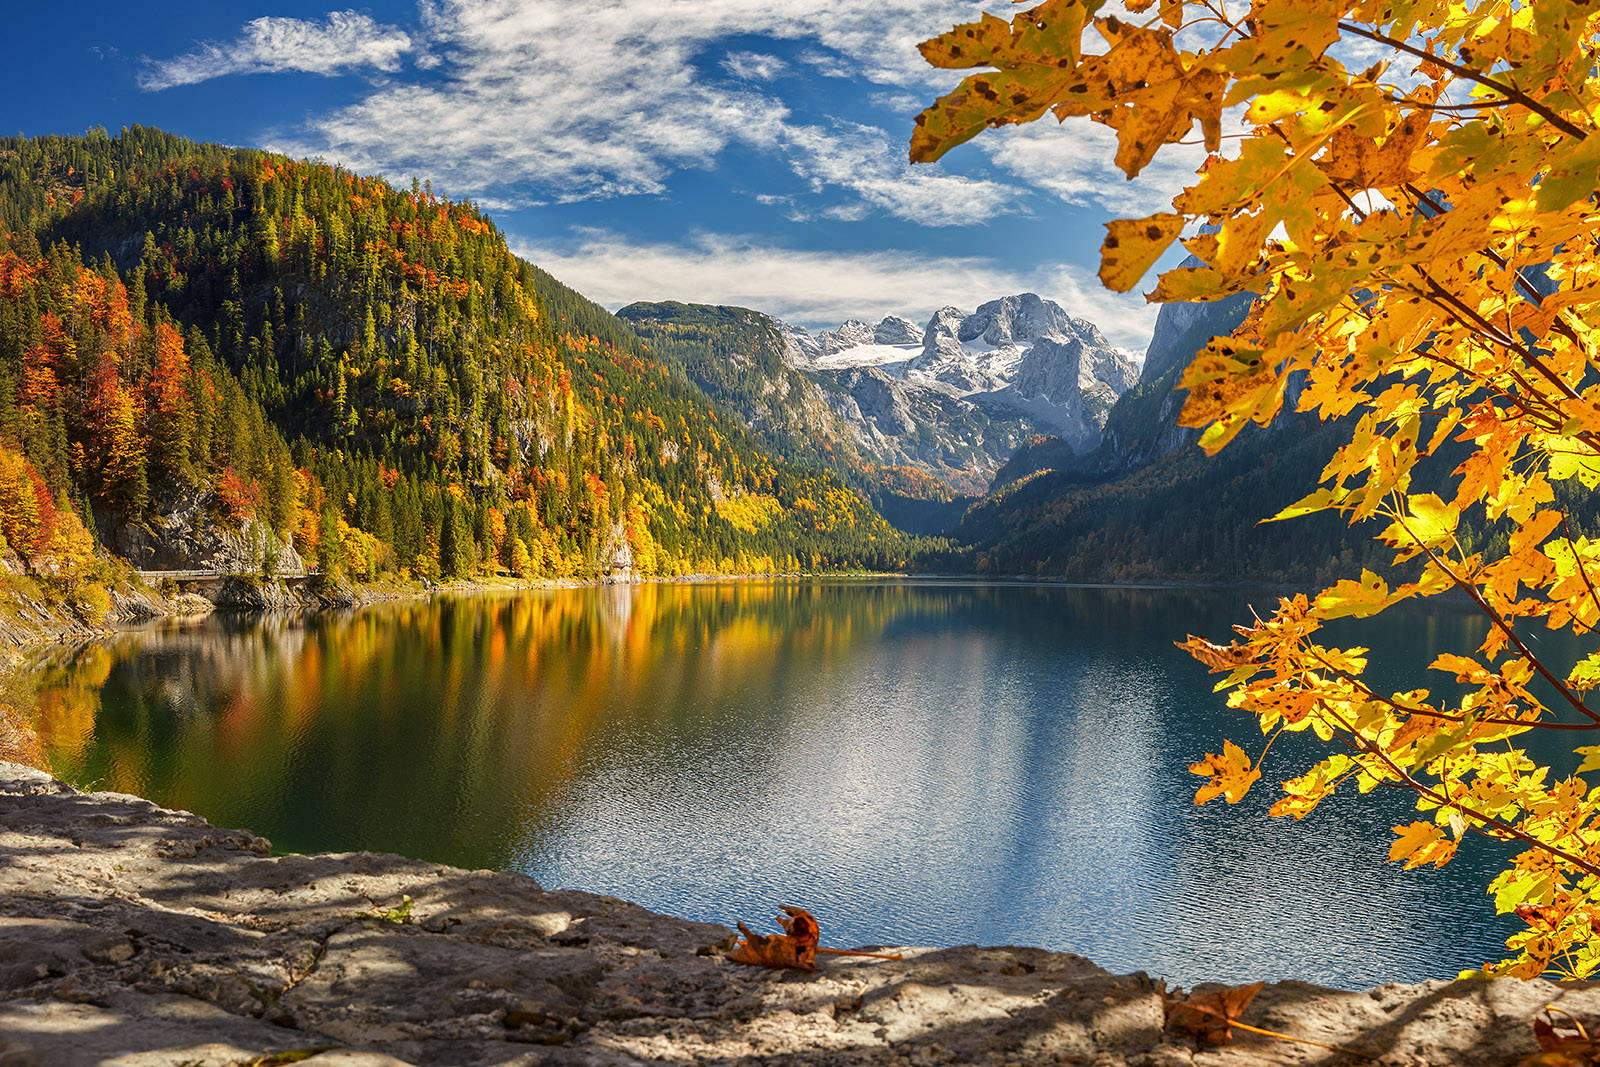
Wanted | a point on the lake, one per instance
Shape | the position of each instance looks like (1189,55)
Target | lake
(917,762)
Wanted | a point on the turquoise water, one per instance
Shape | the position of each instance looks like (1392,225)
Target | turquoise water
(916,762)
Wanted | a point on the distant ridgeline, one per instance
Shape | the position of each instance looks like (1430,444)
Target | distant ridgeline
(920,418)
(203,347)
(1146,503)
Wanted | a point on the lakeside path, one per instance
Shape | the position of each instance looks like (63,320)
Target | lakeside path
(133,935)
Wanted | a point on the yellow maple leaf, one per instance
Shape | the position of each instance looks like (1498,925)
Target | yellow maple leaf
(1231,775)
(1421,842)
(1133,245)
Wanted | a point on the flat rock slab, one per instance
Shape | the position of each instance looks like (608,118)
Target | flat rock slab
(132,935)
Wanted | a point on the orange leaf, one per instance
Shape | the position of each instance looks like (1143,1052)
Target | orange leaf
(796,947)
(1561,1048)
(1210,1016)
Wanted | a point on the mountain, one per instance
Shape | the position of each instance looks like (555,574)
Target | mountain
(1147,504)
(912,416)
(194,336)
(1141,427)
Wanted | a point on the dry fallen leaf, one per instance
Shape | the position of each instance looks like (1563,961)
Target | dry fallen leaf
(801,925)
(1561,1048)
(796,947)
(1210,1016)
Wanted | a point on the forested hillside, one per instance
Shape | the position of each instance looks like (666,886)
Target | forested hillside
(360,374)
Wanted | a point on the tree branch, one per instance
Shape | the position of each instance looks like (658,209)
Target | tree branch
(1434,713)
(1510,92)
(1505,627)
(1509,829)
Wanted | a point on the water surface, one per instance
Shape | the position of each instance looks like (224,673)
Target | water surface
(916,762)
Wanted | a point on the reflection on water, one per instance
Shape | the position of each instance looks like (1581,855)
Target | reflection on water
(918,763)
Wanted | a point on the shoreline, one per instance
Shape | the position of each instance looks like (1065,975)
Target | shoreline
(138,935)
(54,623)
(51,623)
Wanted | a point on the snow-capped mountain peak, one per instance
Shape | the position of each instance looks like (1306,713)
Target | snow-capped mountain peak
(1021,351)
(853,333)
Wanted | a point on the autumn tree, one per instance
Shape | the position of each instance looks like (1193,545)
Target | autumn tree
(113,448)
(169,406)
(1408,191)
(25,509)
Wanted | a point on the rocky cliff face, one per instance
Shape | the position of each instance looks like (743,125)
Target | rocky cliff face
(143,937)
(1143,427)
(186,535)
(800,349)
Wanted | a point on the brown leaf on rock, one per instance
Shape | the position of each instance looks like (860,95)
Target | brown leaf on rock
(1210,1016)
(801,925)
(1561,1048)
(795,948)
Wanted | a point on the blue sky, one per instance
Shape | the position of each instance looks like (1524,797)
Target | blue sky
(725,151)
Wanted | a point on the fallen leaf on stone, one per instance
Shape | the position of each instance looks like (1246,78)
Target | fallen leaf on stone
(1561,1048)
(1210,1016)
(801,925)
(796,947)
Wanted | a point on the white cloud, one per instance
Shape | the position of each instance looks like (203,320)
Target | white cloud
(822,289)
(827,64)
(753,66)
(344,41)
(907,104)
(547,100)
(863,160)
(1074,162)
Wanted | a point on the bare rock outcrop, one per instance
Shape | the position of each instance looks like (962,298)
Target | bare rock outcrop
(184,536)
(134,935)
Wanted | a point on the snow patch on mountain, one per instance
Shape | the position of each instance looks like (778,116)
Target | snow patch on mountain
(893,330)
(894,359)
(1021,358)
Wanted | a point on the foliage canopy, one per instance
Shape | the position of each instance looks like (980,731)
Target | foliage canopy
(1407,189)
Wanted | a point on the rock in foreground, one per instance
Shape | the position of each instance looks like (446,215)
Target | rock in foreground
(132,935)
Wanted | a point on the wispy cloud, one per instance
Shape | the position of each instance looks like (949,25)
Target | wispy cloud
(822,289)
(867,162)
(1074,162)
(753,66)
(342,42)
(529,101)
